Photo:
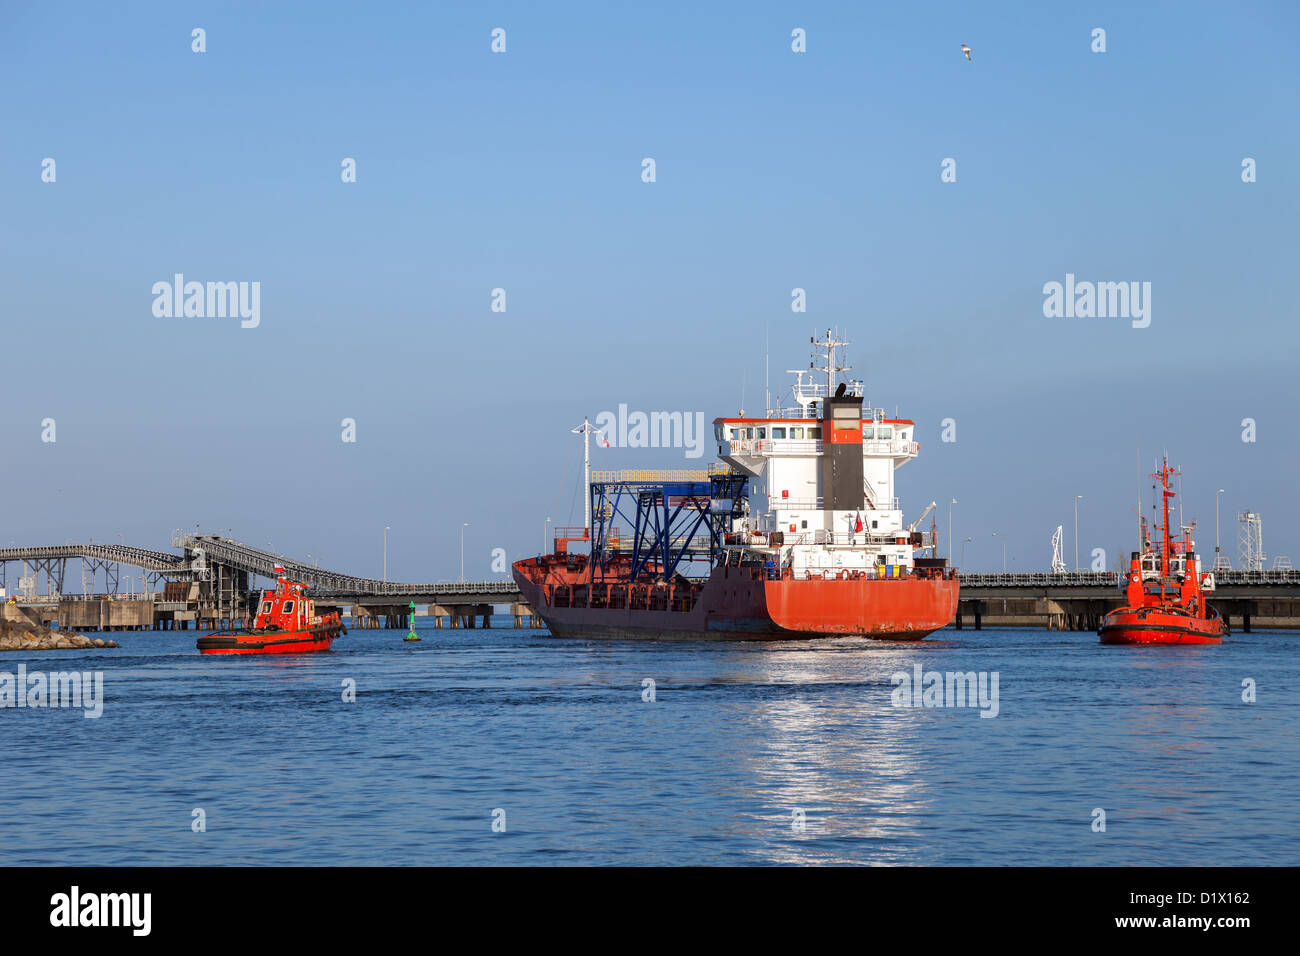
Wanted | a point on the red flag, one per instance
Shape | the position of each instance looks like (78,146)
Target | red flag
(858,524)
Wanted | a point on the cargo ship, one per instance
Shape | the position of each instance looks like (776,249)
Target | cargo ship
(1167,593)
(286,622)
(798,526)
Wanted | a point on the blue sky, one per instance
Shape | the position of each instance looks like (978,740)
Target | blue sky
(522,171)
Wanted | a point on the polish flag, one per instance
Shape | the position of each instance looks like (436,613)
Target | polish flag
(604,442)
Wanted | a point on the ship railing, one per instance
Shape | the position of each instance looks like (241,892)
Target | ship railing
(890,446)
(1263,576)
(1043,579)
(776,503)
(795,504)
(803,447)
(655,475)
(858,539)
(772,446)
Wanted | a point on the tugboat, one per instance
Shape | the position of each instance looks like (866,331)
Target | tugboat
(1166,590)
(286,623)
(799,526)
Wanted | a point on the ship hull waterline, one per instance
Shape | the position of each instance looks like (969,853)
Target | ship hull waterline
(1121,627)
(733,607)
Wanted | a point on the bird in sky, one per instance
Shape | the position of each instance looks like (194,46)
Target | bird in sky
(965,49)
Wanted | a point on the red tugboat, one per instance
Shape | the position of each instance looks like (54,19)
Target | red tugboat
(285,623)
(1166,591)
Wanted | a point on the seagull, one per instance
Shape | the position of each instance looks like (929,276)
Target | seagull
(965,49)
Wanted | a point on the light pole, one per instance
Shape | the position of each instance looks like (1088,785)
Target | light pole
(1216,527)
(1076,533)
(546,525)
(1004,551)
(950,504)
(963,554)
(387,529)
(462,550)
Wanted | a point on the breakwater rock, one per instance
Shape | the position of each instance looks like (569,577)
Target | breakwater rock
(19,636)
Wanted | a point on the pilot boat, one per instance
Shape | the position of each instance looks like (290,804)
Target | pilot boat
(286,623)
(1166,592)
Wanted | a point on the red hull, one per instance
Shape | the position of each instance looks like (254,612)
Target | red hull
(739,604)
(272,642)
(1157,626)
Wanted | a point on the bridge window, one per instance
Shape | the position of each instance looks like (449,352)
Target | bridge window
(762,433)
(796,432)
(266,607)
(778,432)
(815,433)
(868,431)
(749,433)
(735,434)
(885,431)
(288,607)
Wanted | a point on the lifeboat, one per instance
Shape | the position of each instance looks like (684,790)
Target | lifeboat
(286,623)
(1166,592)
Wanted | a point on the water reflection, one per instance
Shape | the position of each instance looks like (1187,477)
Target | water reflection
(847,759)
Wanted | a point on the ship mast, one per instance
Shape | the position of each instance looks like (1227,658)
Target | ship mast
(830,368)
(586,430)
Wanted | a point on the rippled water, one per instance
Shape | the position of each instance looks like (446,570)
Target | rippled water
(555,733)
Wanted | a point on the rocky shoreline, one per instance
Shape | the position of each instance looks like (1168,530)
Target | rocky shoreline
(16,636)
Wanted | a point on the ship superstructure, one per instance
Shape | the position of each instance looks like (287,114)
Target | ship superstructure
(822,476)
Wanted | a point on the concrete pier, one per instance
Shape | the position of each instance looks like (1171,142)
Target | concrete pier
(1085,613)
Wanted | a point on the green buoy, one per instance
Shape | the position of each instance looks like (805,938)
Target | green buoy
(412,636)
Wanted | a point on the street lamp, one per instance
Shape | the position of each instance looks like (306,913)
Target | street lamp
(1004,552)
(1076,533)
(462,550)
(387,528)
(950,504)
(963,553)
(1216,527)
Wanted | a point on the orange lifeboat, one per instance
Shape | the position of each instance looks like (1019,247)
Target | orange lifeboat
(286,623)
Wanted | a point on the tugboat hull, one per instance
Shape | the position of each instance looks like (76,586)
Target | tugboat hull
(273,642)
(1132,626)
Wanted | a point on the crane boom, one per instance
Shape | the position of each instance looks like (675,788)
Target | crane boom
(928,508)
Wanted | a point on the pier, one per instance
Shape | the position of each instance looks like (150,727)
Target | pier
(1077,601)
(210,585)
